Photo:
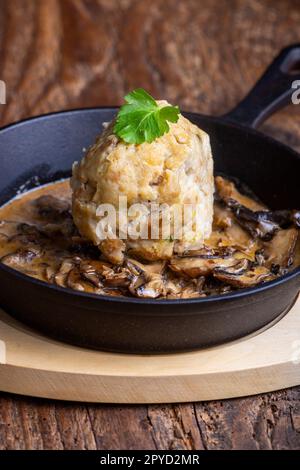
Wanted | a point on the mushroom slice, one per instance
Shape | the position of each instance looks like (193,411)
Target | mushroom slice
(173,287)
(101,267)
(49,273)
(75,281)
(209,252)
(3,237)
(8,229)
(241,277)
(136,267)
(152,289)
(280,218)
(111,291)
(261,224)
(214,287)
(90,273)
(195,267)
(29,233)
(21,257)
(240,267)
(52,208)
(260,257)
(61,275)
(229,233)
(227,190)
(146,280)
(250,214)
(64,228)
(156,267)
(121,278)
(185,289)
(280,251)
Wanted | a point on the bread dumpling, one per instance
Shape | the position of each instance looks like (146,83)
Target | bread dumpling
(174,170)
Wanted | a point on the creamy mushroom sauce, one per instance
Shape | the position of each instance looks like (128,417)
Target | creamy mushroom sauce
(249,245)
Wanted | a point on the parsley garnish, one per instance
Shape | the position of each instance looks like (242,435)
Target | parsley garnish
(142,120)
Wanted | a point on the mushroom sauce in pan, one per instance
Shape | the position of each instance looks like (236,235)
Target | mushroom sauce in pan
(249,245)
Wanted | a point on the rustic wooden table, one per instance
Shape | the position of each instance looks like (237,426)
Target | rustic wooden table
(203,55)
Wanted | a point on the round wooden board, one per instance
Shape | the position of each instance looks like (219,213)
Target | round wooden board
(32,364)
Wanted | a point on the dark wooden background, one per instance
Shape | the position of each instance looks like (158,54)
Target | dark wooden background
(203,55)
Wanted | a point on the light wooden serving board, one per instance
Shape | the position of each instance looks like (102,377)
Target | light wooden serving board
(32,364)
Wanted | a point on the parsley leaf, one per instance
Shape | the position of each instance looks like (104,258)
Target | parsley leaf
(142,120)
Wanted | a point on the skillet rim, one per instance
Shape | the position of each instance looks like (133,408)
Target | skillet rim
(128,300)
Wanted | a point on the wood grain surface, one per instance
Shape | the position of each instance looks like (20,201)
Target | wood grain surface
(203,55)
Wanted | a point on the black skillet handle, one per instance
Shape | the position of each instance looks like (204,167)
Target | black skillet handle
(273,91)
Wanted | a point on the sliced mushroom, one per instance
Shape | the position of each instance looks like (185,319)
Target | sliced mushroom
(75,281)
(8,230)
(260,257)
(227,190)
(282,218)
(62,273)
(29,233)
(65,228)
(209,252)
(251,215)
(53,208)
(120,278)
(233,236)
(49,273)
(236,269)
(146,280)
(21,257)
(42,234)
(239,277)
(90,273)
(195,267)
(280,251)
(214,287)
(152,289)
(178,288)
(255,218)
(99,266)
(173,287)
(136,267)
(3,237)
(260,224)
(112,292)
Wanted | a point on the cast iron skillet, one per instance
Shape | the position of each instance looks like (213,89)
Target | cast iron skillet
(42,149)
